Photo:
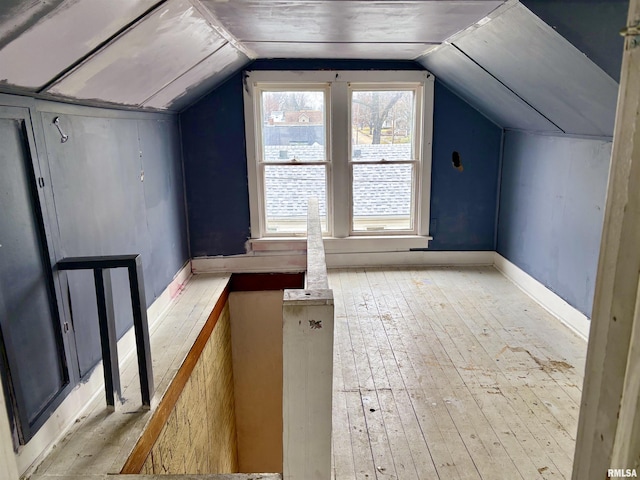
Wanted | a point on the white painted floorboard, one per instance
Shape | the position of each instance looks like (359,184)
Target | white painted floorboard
(450,373)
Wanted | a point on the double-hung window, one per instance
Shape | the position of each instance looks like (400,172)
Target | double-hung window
(360,142)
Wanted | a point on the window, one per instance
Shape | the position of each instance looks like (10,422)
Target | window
(384,158)
(360,142)
(292,156)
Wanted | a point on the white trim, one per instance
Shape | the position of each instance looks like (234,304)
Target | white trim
(355,244)
(340,170)
(407,259)
(554,304)
(296,262)
(73,407)
(255,202)
(8,466)
(424,193)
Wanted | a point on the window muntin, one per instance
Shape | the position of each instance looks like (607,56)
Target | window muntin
(292,156)
(384,158)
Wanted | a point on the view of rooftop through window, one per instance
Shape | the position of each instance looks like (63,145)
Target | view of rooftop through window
(382,124)
(382,157)
(293,137)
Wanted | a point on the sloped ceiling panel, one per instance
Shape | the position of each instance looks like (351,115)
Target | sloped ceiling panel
(363,51)
(17,15)
(144,60)
(483,91)
(61,38)
(200,80)
(309,28)
(545,70)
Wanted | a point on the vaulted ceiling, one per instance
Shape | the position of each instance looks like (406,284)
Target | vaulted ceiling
(497,55)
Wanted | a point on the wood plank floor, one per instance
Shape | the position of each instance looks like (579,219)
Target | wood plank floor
(450,373)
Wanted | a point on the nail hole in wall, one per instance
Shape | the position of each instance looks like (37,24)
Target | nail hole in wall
(456,161)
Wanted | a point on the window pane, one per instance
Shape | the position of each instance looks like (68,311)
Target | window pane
(287,190)
(382,197)
(382,125)
(293,126)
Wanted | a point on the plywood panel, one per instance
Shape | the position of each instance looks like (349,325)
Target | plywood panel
(257,363)
(145,59)
(64,36)
(199,436)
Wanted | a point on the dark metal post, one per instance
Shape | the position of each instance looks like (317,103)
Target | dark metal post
(108,341)
(141,327)
(102,277)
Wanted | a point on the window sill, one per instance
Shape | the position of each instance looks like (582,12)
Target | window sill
(355,244)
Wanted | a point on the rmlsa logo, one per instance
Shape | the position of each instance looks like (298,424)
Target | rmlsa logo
(622,473)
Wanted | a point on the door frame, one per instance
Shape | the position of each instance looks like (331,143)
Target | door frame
(609,423)
(23,430)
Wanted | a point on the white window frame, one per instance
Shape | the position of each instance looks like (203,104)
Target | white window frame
(338,118)
(416,161)
(260,165)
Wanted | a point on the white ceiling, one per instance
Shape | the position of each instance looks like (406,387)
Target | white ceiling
(165,55)
(161,54)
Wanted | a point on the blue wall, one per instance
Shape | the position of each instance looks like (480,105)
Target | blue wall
(105,205)
(215,166)
(592,26)
(115,187)
(551,211)
(463,204)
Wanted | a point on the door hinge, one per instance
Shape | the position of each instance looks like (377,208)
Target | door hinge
(65,327)
(41,182)
(632,31)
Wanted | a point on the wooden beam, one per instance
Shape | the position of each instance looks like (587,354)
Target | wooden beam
(307,361)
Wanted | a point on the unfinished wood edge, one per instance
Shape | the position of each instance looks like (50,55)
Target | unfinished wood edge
(550,301)
(152,431)
(166,298)
(80,398)
(250,264)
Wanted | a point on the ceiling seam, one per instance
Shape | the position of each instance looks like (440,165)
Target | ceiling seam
(142,104)
(210,17)
(507,87)
(100,46)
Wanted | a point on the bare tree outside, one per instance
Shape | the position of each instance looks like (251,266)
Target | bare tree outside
(380,114)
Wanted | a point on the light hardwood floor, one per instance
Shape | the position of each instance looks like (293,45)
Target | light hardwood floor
(450,373)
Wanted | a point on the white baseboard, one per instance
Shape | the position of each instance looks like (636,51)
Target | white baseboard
(74,406)
(406,259)
(297,262)
(570,316)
